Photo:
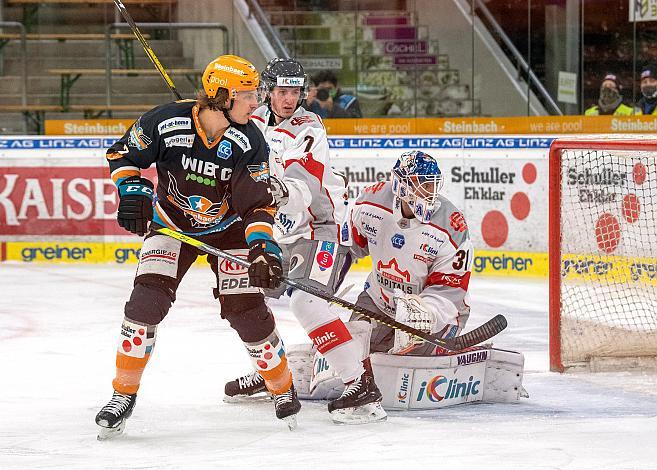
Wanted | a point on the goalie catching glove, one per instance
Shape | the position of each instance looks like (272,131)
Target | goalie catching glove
(135,204)
(412,311)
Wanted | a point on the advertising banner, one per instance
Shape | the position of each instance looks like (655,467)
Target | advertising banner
(550,125)
(500,184)
(58,190)
(87,126)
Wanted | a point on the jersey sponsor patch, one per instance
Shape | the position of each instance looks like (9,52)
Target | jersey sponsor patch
(159,255)
(449,280)
(290,81)
(184,140)
(330,335)
(398,240)
(136,340)
(323,263)
(233,278)
(174,124)
(225,150)
(239,138)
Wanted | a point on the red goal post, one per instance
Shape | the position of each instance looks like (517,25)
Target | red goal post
(603,253)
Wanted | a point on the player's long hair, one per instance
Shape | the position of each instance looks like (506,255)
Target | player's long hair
(217,103)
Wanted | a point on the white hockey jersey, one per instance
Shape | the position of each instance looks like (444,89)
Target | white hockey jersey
(299,155)
(431,260)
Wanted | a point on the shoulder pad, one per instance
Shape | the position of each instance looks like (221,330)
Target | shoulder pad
(239,138)
(448,217)
(378,193)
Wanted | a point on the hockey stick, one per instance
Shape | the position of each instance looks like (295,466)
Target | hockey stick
(472,338)
(147,49)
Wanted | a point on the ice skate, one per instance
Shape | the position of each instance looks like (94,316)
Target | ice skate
(112,417)
(359,403)
(287,406)
(249,387)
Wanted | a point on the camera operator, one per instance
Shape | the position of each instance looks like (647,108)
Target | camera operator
(326,100)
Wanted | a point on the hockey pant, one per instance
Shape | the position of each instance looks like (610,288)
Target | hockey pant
(323,265)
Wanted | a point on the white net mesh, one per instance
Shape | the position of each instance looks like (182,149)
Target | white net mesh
(608,255)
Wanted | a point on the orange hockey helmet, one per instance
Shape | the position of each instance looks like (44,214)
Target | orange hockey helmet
(232,73)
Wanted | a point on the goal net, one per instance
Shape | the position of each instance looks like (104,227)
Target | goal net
(603,254)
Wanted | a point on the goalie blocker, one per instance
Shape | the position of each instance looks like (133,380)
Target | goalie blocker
(480,374)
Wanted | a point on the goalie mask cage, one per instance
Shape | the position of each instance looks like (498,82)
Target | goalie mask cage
(603,254)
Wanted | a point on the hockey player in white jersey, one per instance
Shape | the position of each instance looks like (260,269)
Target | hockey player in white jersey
(311,210)
(422,255)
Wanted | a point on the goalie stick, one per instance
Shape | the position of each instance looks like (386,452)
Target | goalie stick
(486,331)
(147,49)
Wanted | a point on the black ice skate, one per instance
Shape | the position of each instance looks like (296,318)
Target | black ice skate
(113,416)
(360,401)
(247,386)
(287,406)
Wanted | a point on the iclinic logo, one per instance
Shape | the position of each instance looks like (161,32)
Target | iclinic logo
(440,388)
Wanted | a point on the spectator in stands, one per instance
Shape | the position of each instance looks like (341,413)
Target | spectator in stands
(648,101)
(328,101)
(611,100)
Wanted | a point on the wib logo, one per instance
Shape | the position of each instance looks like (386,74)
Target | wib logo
(440,388)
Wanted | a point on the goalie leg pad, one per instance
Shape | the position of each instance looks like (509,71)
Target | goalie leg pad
(430,382)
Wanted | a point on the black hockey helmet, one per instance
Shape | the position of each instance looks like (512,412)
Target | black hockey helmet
(283,72)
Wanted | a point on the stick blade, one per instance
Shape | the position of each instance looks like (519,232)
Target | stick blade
(495,325)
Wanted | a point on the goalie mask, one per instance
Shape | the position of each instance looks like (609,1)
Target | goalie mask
(417,180)
(283,73)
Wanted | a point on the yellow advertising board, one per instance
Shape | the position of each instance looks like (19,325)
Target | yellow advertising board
(497,263)
(87,126)
(611,269)
(503,125)
(417,126)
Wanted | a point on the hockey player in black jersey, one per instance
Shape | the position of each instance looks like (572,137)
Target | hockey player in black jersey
(213,184)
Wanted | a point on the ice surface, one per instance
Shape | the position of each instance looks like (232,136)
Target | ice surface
(58,334)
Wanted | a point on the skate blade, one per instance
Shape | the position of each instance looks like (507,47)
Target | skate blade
(291,422)
(370,413)
(110,433)
(258,397)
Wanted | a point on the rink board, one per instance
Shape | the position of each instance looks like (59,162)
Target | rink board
(57,203)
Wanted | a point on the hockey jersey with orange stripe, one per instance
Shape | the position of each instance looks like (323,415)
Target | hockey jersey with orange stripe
(430,260)
(203,187)
(299,155)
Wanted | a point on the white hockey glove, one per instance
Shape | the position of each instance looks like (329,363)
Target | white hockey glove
(279,191)
(412,311)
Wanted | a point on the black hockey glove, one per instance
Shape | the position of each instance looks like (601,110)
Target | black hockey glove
(266,269)
(135,204)
(279,191)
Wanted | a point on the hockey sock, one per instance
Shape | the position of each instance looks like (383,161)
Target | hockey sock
(135,348)
(268,358)
(329,334)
